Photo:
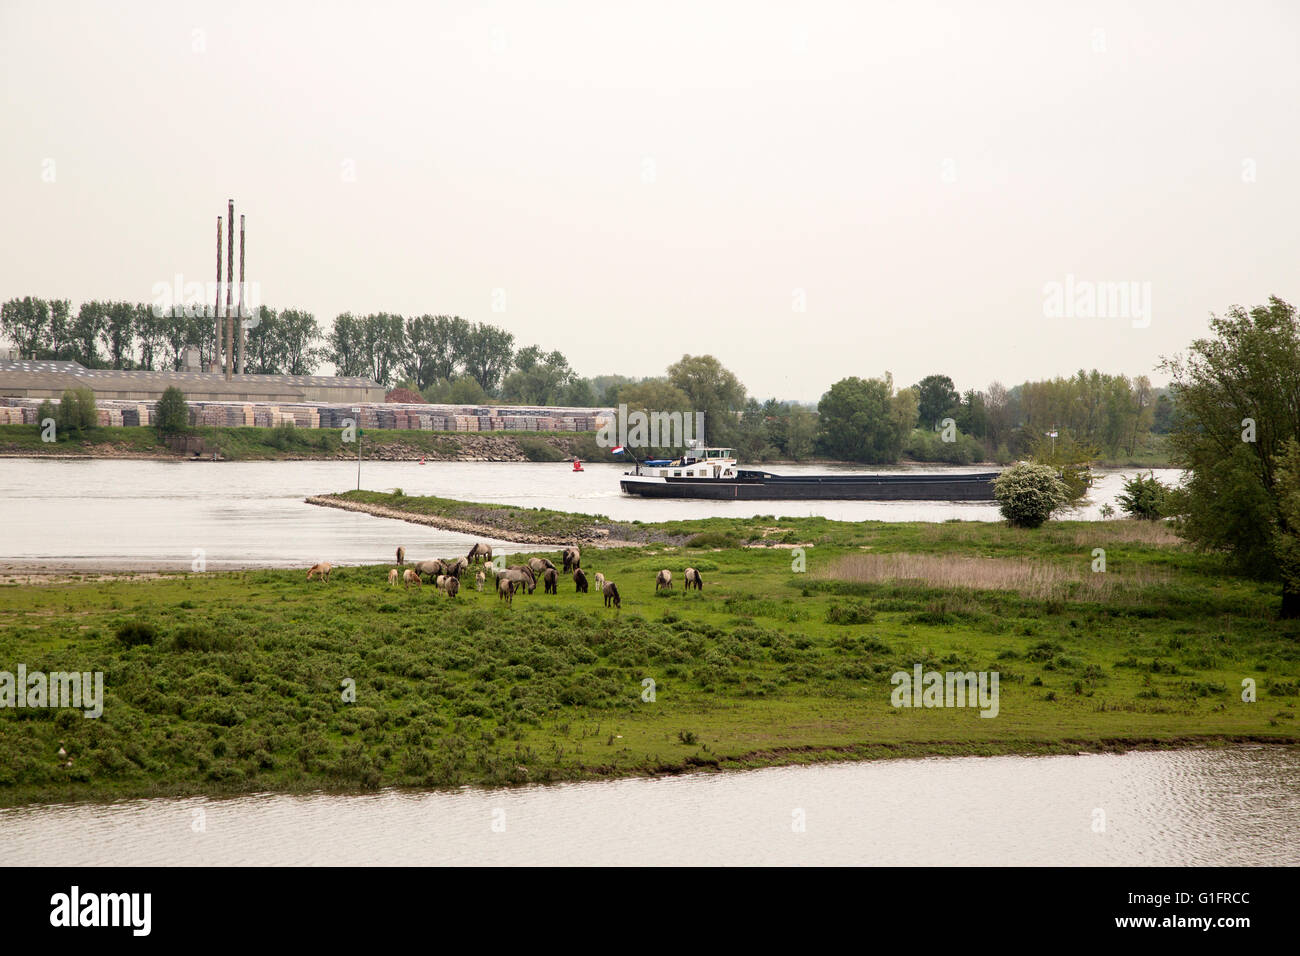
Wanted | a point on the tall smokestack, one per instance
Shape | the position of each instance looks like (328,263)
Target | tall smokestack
(241,293)
(215,364)
(230,289)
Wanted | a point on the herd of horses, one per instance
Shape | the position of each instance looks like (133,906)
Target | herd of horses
(446,574)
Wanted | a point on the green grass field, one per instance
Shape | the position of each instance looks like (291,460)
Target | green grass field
(242,686)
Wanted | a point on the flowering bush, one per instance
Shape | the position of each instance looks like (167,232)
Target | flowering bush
(1028,494)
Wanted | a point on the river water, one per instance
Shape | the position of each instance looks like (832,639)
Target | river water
(1235,806)
(70,514)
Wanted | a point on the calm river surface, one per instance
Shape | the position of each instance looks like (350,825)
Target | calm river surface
(1237,806)
(63,513)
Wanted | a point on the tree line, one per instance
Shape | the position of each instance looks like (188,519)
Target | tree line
(448,359)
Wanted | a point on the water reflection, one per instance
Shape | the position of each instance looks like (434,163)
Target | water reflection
(1234,806)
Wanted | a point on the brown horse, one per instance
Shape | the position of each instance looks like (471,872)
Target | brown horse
(693,580)
(664,579)
(572,559)
(611,594)
(392,577)
(579,581)
(478,581)
(409,577)
(401,555)
(451,584)
(506,589)
(321,569)
(550,582)
(480,552)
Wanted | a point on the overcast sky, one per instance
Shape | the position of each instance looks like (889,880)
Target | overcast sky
(641,180)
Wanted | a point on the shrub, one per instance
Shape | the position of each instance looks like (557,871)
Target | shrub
(538,449)
(76,411)
(854,613)
(1028,494)
(1144,497)
(133,633)
(201,639)
(712,539)
(173,413)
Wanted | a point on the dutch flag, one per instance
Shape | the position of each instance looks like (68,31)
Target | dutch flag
(616,450)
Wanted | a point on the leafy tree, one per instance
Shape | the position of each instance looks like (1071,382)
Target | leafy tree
(652,396)
(151,334)
(1238,406)
(538,379)
(26,322)
(1028,494)
(579,393)
(118,332)
(800,433)
(77,412)
(299,336)
(433,347)
(486,355)
(466,390)
(346,347)
(858,421)
(173,412)
(937,399)
(1144,497)
(606,388)
(86,329)
(713,390)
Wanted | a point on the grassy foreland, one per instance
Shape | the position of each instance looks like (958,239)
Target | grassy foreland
(242,687)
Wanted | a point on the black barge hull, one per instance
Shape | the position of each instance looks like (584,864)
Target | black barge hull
(976,487)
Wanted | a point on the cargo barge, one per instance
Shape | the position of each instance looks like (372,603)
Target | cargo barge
(712,473)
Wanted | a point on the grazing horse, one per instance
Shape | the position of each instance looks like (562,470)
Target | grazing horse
(478,581)
(600,581)
(451,584)
(401,555)
(579,581)
(440,582)
(410,577)
(522,576)
(611,594)
(539,565)
(693,580)
(392,577)
(572,560)
(664,579)
(506,589)
(457,567)
(480,552)
(550,582)
(429,568)
(320,569)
